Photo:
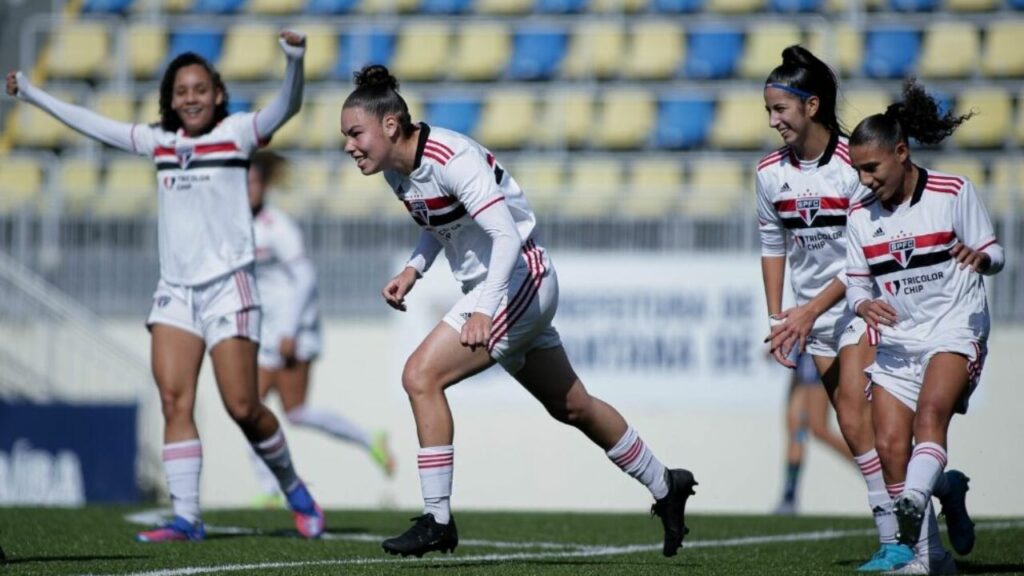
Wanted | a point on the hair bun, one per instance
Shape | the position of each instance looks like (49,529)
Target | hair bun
(797,54)
(375,76)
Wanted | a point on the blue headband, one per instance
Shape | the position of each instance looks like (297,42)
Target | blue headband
(802,94)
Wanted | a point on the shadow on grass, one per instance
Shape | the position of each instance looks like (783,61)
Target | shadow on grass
(965,567)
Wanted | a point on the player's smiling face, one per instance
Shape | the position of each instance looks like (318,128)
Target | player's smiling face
(195,98)
(790,116)
(366,139)
(880,168)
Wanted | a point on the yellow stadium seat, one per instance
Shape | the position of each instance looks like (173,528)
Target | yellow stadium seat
(481,51)
(618,6)
(148,109)
(716,187)
(387,6)
(595,187)
(972,5)
(78,182)
(1006,185)
(503,7)
(733,6)
(857,105)
(146,48)
(128,188)
(846,6)
(250,52)
(655,188)
(324,120)
(507,119)
(35,128)
(21,183)
(543,182)
(1002,54)
(763,49)
(969,167)
(656,50)
(595,50)
(567,120)
(993,119)
(321,49)
(165,5)
(422,52)
(839,45)
(950,50)
(115,105)
(78,50)
(741,122)
(277,7)
(626,119)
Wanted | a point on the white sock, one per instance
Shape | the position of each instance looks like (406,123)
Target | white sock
(878,497)
(329,422)
(183,462)
(274,453)
(926,465)
(266,478)
(636,459)
(436,464)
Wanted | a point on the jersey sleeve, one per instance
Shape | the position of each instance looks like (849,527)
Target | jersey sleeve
(858,275)
(973,226)
(773,234)
(288,99)
(426,251)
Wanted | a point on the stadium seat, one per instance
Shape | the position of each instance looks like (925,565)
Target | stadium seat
(37,129)
(969,167)
(367,46)
(444,6)
(116,105)
(146,49)
(537,52)
(992,122)
(106,6)
(567,120)
(321,49)
(217,6)
(972,5)
(21,183)
(78,50)
(508,117)
(1006,186)
(676,6)
(543,181)
(655,188)
(683,122)
(1016,4)
(454,112)
(891,52)
(559,6)
(275,7)
(626,119)
(595,188)
(330,6)
(857,105)
(712,52)
(733,6)
(324,120)
(128,189)
(503,7)
(1002,54)
(796,5)
(147,110)
(741,122)
(656,50)
(169,6)
(251,52)
(387,6)
(762,51)
(481,51)
(620,6)
(913,5)
(421,51)
(845,6)
(840,45)
(716,187)
(950,50)
(206,42)
(595,50)
(77,180)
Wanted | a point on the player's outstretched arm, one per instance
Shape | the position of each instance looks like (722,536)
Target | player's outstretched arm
(288,100)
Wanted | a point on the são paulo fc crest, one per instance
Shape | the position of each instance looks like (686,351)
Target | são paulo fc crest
(169,182)
(901,250)
(808,208)
(893,287)
(184,154)
(419,210)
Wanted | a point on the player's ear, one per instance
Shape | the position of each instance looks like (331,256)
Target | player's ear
(391,127)
(902,151)
(811,106)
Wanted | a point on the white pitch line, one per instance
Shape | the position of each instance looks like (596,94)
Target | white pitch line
(582,552)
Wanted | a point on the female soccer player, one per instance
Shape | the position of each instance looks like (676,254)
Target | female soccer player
(470,207)
(923,241)
(290,337)
(206,297)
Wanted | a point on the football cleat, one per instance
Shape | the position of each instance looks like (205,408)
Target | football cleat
(177,530)
(888,557)
(909,509)
(426,535)
(954,510)
(935,565)
(672,508)
(309,518)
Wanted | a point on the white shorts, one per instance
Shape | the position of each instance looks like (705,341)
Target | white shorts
(835,330)
(899,369)
(523,320)
(222,308)
(308,345)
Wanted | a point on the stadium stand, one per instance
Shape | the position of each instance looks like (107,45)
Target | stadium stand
(78,49)
(950,50)
(21,181)
(656,50)
(78,180)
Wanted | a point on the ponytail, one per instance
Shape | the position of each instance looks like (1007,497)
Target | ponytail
(916,116)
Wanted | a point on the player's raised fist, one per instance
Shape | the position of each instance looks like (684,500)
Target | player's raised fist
(12,83)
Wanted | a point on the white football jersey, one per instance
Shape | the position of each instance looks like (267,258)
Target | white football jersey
(906,254)
(454,179)
(801,209)
(278,243)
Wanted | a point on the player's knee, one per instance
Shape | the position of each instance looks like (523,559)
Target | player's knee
(176,405)
(930,419)
(891,447)
(416,379)
(572,410)
(244,411)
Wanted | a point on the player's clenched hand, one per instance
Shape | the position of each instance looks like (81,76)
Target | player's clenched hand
(12,83)
(476,331)
(395,290)
(293,38)
(975,259)
(877,313)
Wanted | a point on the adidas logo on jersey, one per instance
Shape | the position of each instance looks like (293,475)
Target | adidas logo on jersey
(878,233)
(785,188)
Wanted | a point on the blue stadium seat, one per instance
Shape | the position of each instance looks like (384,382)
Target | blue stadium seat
(457,113)
(217,6)
(683,122)
(796,5)
(913,5)
(330,6)
(537,53)
(108,6)
(891,52)
(444,6)
(1017,4)
(677,6)
(713,52)
(236,104)
(206,42)
(560,6)
(370,46)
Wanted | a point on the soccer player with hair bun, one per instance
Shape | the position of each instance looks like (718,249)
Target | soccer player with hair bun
(468,205)
(924,242)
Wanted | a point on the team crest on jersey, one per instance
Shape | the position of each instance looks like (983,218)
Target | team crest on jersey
(169,182)
(162,301)
(184,154)
(808,208)
(893,287)
(419,210)
(902,250)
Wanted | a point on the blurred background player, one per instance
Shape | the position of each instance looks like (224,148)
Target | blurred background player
(807,414)
(924,241)
(470,207)
(290,333)
(206,297)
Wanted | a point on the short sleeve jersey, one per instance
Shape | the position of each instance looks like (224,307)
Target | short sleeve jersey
(278,243)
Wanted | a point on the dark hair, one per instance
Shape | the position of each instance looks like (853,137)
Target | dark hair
(917,116)
(169,119)
(269,165)
(377,93)
(806,75)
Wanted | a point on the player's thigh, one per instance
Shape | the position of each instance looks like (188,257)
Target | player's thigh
(946,379)
(234,367)
(441,361)
(293,384)
(177,356)
(549,377)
